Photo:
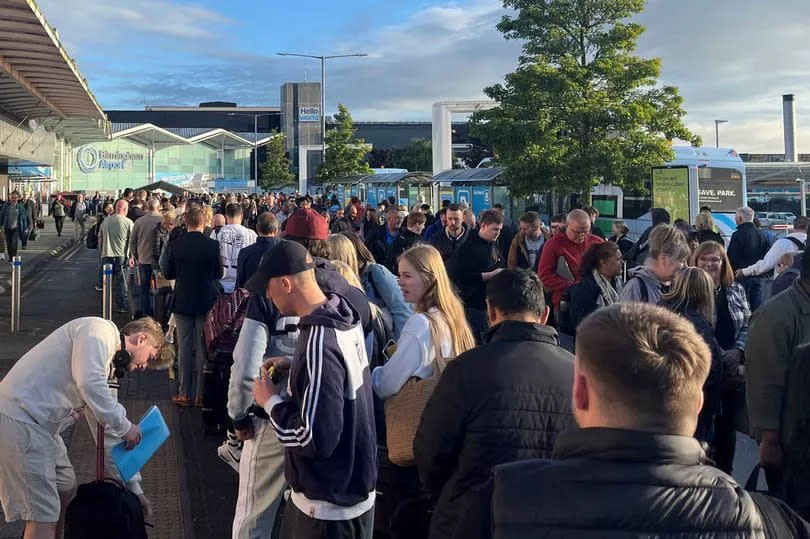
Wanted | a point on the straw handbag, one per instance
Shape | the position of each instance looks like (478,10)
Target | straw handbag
(403,411)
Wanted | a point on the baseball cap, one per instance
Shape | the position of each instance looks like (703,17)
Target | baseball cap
(306,224)
(286,258)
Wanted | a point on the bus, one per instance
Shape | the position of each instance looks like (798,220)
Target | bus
(698,178)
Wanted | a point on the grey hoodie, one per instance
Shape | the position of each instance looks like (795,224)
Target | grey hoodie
(641,276)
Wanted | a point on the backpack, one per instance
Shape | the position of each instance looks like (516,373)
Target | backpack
(104,509)
(224,321)
(797,242)
(775,519)
(92,237)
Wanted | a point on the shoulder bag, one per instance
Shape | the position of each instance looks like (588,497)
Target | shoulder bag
(403,411)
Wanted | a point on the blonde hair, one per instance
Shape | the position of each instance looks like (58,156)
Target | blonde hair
(208,212)
(169,217)
(153,331)
(704,221)
(694,288)
(439,293)
(668,240)
(712,247)
(347,272)
(342,249)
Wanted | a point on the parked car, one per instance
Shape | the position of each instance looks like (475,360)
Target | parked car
(769,218)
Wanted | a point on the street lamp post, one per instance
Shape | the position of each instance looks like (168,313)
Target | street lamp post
(717,131)
(323,60)
(255,140)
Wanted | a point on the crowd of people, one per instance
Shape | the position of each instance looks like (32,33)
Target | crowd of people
(403,373)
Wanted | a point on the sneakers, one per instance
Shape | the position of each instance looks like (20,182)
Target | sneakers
(99,288)
(231,451)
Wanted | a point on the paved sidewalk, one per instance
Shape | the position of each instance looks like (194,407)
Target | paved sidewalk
(47,244)
(192,491)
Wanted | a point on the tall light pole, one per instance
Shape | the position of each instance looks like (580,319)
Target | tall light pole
(255,139)
(717,131)
(323,60)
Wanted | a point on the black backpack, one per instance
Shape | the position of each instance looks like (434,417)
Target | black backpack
(104,509)
(92,237)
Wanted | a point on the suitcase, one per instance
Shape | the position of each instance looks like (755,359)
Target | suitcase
(399,495)
(162,306)
(216,376)
(104,509)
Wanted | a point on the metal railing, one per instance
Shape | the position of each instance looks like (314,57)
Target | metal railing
(107,292)
(16,289)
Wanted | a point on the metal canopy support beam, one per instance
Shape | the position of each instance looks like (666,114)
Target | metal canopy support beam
(21,80)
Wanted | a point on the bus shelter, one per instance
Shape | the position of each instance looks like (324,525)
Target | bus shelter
(479,188)
(407,188)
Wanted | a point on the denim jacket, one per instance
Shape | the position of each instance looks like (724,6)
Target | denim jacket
(382,290)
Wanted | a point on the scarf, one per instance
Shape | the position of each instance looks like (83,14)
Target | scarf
(608,294)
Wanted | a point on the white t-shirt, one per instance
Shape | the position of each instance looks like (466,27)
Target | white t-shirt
(232,238)
(533,249)
(64,372)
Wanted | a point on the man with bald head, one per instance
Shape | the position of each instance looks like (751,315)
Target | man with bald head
(562,254)
(114,238)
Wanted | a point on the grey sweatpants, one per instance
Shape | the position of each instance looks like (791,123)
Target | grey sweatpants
(261,483)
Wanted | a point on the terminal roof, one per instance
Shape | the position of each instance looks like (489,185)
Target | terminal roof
(39,80)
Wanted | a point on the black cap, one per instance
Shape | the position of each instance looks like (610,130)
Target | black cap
(286,258)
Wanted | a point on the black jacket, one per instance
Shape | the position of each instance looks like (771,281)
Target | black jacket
(504,401)
(505,238)
(710,235)
(344,224)
(378,246)
(748,245)
(619,484)
(472,258)
(405,241)
(582,299)
(638,253)
(624,243)
(194,261)
(249,258)
(446,245)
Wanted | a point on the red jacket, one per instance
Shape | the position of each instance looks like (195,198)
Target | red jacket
(554,248)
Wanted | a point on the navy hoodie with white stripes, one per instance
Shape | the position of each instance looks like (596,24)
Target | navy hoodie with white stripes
(327,424)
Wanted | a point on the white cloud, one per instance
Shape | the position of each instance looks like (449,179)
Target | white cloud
(117,23)
(732,59)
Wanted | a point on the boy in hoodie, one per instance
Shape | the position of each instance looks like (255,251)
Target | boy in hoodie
(668,253)
(326,424)
(268,333)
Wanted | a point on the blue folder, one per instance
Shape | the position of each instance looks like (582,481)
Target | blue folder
(154,432)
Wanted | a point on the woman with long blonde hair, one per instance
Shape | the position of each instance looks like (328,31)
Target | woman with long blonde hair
(438,323)
(341,248)
(692,297)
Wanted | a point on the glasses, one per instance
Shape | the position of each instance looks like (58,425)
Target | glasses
(711,259)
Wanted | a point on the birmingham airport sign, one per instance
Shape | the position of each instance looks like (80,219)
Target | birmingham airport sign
(90,159)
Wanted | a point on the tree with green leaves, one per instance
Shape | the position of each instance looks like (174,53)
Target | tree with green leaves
(276,169)
(416,156)
(581,108)
(345,155)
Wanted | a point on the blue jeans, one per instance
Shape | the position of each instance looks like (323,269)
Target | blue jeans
(754,289)
(145,271)
(119,278)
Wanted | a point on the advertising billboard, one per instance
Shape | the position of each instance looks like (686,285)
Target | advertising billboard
(480,199)
(720,188)
(670,190)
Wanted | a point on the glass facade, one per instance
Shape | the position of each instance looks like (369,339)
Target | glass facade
(117,164)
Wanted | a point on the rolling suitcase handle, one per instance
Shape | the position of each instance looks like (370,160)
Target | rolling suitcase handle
(99,452)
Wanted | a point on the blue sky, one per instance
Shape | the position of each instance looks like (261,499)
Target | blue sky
(732,59)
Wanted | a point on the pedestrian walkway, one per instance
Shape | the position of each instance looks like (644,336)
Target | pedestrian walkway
(193,493)
(46,245)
